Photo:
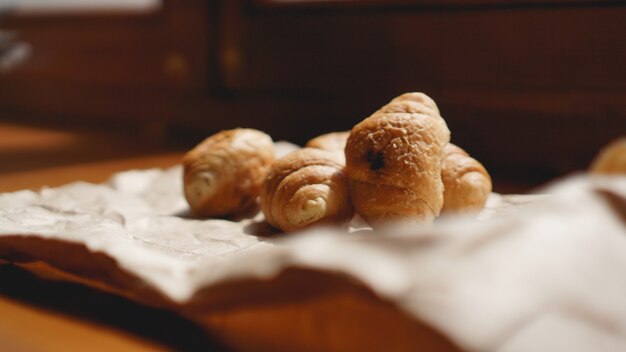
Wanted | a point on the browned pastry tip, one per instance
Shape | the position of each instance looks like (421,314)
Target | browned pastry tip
(414,102)
(611,159)
(467,184)
(306,187)
(393,161)
(333,141)
(224,173)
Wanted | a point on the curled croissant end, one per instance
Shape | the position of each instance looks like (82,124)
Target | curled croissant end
(393,161)
(224,173)
(333,141)
(611,159)
(306,187)
(466,182)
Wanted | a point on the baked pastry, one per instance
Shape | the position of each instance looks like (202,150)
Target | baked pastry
(333,141)
(466,182)
(611,159)
(224,173)
(306,187)
(393,161)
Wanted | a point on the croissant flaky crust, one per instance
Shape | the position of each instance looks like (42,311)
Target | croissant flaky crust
(466,182)
(393,161)
(223,174)
(306,187)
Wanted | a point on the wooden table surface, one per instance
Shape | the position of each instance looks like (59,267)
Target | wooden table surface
(43,314)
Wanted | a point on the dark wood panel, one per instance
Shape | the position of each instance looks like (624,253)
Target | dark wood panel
(90,32)
(138,69)
(545,139)
(360,52)
(308,4)
(163,49)
(533,91)
(68,104)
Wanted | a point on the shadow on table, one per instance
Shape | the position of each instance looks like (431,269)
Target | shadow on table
(163,327)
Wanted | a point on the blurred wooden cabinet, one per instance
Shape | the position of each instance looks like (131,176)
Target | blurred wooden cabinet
(116,66)
(532,88)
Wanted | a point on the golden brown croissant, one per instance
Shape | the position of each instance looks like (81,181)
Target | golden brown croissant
(224,173)
(466,182)
(393,161)
(611,159)
(333,141)
(307,186)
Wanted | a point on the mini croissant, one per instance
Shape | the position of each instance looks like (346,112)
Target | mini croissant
(611,159)
(224,173)
(333,141)
(466,182)
(393,161)
(306,187)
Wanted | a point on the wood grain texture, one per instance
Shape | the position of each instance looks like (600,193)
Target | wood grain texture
(52,311)
(24,327)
